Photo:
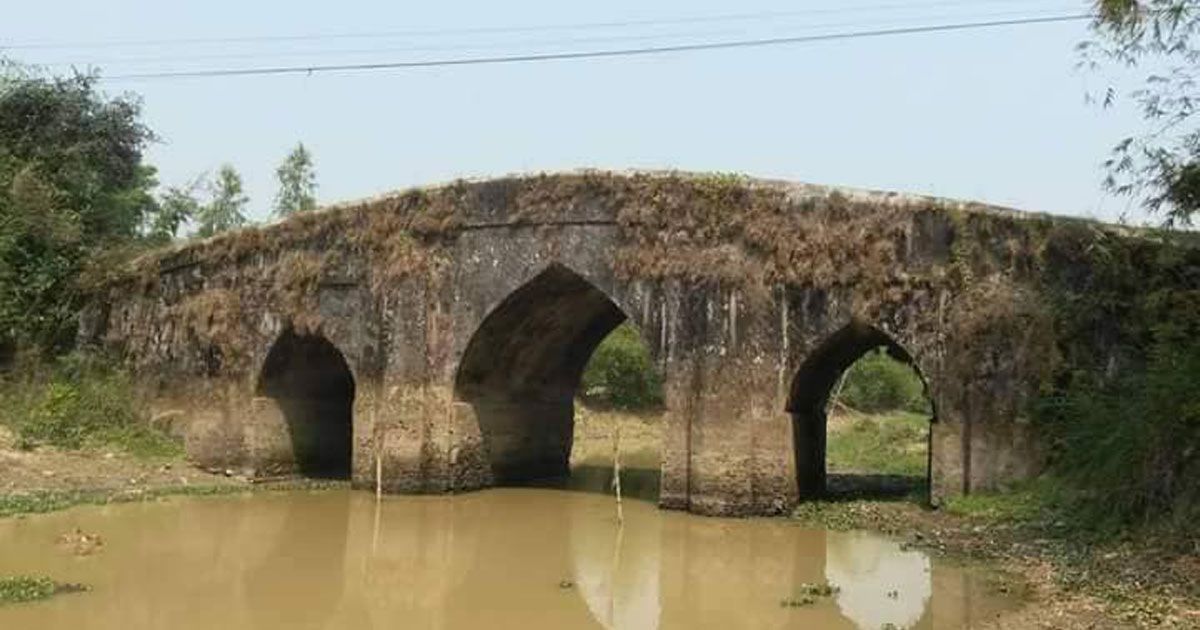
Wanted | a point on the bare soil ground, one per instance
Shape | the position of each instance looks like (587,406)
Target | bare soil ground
(47,469)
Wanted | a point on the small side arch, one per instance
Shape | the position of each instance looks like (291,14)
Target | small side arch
(310,381)
(812,387)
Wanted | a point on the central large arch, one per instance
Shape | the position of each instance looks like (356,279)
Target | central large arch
(811,389)
(522,368)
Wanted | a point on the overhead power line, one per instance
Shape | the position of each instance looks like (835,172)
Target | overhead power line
(660,38)
(600,54)
(613,24)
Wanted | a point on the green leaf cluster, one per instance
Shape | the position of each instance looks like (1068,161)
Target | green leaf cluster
(72,183)
(1162,164)
(227,208)
(620,373)
(297,183)
(878,383)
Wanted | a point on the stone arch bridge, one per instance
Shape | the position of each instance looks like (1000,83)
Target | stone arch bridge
(436,337)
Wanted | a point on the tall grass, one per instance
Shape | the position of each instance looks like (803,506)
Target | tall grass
(1128,449)
(78,401)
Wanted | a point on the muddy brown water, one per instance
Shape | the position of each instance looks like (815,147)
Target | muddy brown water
(506,558)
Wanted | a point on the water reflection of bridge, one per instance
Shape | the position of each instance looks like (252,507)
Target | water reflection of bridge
(513,558)
(510,558)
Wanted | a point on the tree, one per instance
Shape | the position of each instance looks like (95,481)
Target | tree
(297,183)
(1162,165)
(621,374)
(176,207)
(72,184)
(226,210)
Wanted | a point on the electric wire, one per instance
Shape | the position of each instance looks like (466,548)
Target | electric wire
(730,17)
(463,47)
(600,54)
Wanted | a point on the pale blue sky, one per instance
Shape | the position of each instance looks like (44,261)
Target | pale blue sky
(994,115)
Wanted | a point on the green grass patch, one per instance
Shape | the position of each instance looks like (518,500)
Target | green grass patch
(1019,504)
(896,443)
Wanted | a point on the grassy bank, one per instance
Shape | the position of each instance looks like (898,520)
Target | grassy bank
(44,501)
(78,402)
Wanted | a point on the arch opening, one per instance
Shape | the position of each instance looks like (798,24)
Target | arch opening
(522,373)
(881,449)
(310,381)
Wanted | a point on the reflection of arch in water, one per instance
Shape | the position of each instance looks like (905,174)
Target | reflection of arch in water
(486,560)
(412,554)
(867,568)
(302,582)
(523,556)
(616,569)
(719,573)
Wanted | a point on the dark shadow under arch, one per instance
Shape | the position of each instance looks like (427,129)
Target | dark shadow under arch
(811,389)
(309,380)
(522,368)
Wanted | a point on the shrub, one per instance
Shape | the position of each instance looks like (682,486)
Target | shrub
(877,382)
(620,373)
(1128,449)
(79,401)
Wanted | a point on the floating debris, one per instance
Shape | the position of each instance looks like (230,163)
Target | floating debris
(809,594)
(80,543)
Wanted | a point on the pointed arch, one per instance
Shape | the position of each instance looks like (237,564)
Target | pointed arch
(522,367)
(812,386)
(310,381)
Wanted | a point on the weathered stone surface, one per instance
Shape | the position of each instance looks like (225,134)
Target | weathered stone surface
(464,315)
